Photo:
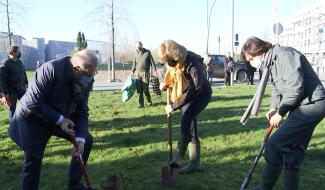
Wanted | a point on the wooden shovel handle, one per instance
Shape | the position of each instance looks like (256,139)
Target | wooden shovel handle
(80,161)
(169,122)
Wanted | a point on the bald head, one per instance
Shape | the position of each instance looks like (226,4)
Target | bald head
(86,59)
(138,45)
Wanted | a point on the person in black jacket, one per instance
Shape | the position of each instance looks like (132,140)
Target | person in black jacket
(13,79)
(227,69)
(296,91)
(251,70)
(191,92)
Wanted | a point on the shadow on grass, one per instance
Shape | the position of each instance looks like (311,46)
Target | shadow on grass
(225,166)
(224,169)
(153,129)
(139,172)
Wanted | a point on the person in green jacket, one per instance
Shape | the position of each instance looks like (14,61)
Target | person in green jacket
(142,64)
(13,79)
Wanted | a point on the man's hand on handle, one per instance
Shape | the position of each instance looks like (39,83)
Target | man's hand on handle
(80,150)
(67,126)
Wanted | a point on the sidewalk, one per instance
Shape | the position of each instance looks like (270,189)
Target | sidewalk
(103,84)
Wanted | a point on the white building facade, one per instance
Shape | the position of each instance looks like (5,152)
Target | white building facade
(306,33)
(36,50)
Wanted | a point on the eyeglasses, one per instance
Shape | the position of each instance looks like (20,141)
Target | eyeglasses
(86,73)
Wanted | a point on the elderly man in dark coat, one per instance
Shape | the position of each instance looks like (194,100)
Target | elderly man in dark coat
(55,104)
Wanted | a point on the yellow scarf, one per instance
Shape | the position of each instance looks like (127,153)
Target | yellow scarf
(174,77)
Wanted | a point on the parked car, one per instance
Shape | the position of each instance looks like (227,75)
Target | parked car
(240,68)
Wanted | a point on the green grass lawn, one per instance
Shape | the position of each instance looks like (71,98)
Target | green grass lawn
(133,142)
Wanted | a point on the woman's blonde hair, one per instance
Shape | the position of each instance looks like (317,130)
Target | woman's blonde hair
(169,49)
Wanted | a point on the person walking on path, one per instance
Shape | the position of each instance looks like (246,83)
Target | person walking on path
(142,64)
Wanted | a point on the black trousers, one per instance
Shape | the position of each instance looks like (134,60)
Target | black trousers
(289,142)
(12,108)
(227,78)
(251,77)
(190,112)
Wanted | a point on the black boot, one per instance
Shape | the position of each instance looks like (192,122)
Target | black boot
(182,146)
(269,178)
(291,179)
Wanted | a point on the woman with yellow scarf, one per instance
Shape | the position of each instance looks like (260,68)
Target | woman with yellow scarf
(191,92)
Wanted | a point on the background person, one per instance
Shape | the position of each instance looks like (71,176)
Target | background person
(142,63)
(227,69)
(209,68)
(13,79)
(251,71)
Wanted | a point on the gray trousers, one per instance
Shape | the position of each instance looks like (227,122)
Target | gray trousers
(289,142)
(143,87)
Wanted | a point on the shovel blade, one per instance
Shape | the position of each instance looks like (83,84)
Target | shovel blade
(169,176)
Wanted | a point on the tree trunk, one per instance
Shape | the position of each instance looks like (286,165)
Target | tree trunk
(113,43)
(8,22)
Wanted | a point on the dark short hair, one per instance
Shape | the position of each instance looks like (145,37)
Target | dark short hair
(13,49)
(254,47)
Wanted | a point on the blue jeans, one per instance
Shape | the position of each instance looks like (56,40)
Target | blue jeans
(190,112)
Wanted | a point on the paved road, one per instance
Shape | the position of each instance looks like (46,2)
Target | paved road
(102,84)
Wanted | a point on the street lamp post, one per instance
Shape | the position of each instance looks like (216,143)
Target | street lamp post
(232,27)
(208,23)
(219,43)
(8,21)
